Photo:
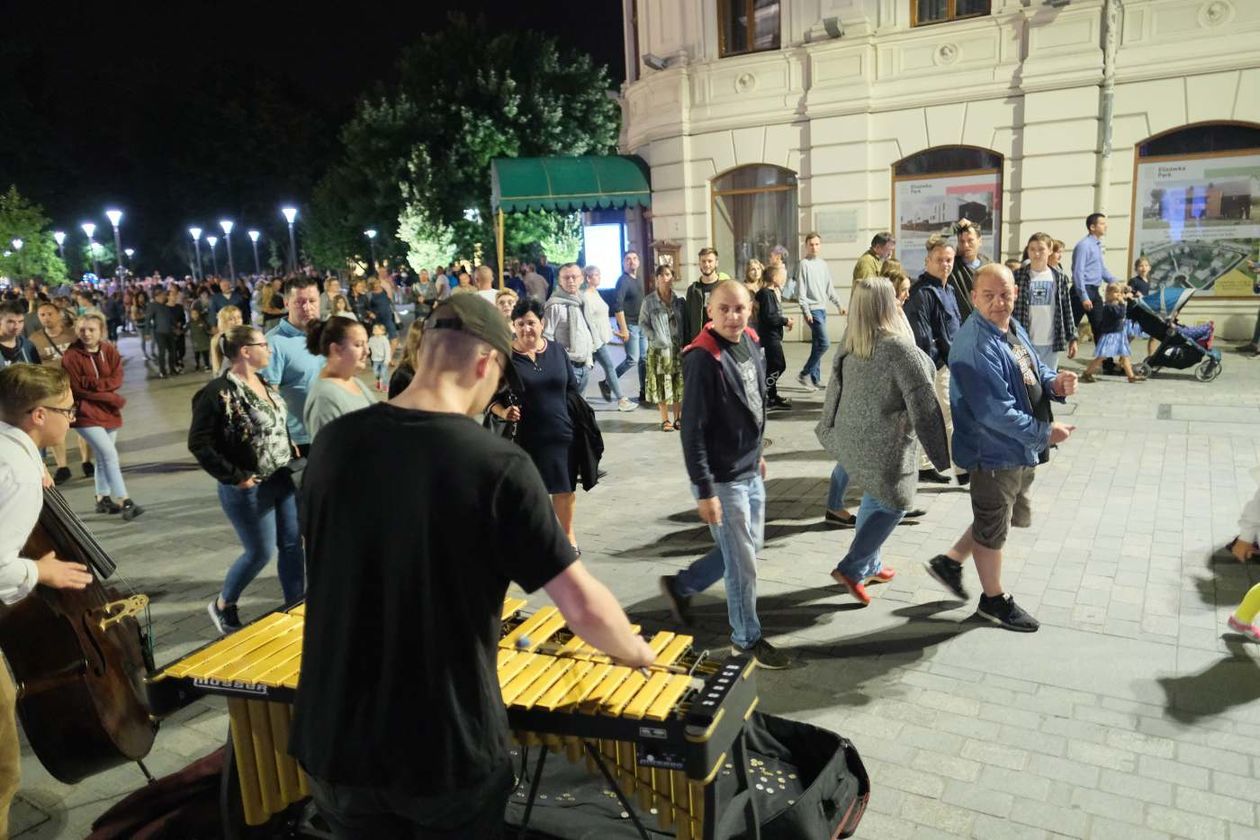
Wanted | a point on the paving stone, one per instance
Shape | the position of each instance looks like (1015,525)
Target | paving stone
(1185,823)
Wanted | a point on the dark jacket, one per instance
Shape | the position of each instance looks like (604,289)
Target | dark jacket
(27,352)
(961,279)
(721,434)
(770,317)
(218,442)
(160,317)
(95,379)
(934,317)
(588,442)
(695,314)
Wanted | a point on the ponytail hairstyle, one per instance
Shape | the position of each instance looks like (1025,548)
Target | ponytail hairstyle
(320,335)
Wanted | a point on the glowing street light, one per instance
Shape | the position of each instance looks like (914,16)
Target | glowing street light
(115,217)
(17,244)
(370,233)
(214,257)
(253,240)
(290,213)
(195,233)
(227,243)
(90,230)
(59,236)
(130,252)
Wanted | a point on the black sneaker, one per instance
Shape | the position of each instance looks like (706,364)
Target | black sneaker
(89,469)
(933,477)
(679,605)
(106,505)
(780,404)
(916,513)
(767,655)
(840,521)
(605,390)
(948,573)
(1002,609)
(225,620)
(62,475)
(964,479)
(130,510)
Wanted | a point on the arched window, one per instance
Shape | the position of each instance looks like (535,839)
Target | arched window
(754,211)
(1196,208)
(936,188)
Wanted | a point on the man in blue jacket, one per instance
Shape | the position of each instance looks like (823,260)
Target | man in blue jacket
(724,422)
(1000,393)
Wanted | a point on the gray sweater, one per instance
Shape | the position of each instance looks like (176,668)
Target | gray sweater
(875,413)
(326,401)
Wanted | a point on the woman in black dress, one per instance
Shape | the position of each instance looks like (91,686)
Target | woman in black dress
(544,428)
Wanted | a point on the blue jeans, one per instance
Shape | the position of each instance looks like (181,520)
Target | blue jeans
(734,556)
(818,345)
(875,524)
(109,480)
(636,353)
(581,372)
(265,515)
(603,357)
(381,370)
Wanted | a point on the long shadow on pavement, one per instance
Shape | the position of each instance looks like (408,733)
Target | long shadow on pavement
(1232,681)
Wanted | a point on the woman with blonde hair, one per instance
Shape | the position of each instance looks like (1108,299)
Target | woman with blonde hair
(228,318)
(880,404)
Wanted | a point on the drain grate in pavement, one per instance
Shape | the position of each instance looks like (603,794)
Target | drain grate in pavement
(1208,413)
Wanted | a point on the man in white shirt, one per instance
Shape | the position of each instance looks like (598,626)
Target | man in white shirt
(36,410)
(484,280)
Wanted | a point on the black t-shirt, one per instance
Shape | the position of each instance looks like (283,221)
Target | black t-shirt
(628,298)
(399,683)
(12,354)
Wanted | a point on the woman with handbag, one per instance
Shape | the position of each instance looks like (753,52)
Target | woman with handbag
(96,374)
(239,436)
(880,406)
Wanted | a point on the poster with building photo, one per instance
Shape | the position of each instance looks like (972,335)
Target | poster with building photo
(1197,219)
(928,204)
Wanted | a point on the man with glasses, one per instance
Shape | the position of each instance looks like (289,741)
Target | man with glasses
(15,348)
(36,409)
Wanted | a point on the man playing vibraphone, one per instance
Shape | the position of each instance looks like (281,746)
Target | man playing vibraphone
(399,720)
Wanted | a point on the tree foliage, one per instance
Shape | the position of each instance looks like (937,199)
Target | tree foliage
(422,149)
(23,219)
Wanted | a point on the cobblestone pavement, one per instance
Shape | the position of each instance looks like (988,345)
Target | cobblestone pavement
(1130,715)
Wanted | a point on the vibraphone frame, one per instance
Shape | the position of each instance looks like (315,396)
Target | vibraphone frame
(647,752)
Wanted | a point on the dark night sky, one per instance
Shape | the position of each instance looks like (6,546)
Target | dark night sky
(104,97)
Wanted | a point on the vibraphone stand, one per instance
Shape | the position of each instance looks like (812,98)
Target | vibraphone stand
(739,760)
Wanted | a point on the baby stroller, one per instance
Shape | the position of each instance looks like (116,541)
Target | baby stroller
(1179,347)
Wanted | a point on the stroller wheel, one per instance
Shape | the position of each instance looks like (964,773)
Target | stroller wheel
(1143,369)
(1208,370)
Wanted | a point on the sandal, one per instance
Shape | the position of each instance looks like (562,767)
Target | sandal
(667,426)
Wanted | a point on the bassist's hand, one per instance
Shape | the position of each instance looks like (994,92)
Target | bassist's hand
(61,575)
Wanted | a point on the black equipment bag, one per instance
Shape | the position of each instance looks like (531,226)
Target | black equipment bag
(826,791)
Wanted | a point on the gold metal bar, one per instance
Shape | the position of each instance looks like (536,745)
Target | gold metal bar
(618,675)
(554,672)
(286,766)
(623,695)
(228,648)
(676,648)
(246,770)
(665,703)
(510,606)
(564,686)
(644,697)
(265,757)
(522,681)
(527,628)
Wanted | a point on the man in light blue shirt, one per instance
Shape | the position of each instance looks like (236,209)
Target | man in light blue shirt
(1089,272)
(293,368)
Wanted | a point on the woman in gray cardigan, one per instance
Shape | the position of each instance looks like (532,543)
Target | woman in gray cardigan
(880,404)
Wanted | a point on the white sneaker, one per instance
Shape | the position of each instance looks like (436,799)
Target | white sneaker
(803,381)
(624,404)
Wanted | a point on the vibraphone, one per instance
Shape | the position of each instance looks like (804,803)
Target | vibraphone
(660,735)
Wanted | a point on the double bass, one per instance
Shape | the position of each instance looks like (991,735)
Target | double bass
(79,658)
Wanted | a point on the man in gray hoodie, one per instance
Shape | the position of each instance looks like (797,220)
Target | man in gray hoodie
(568,322)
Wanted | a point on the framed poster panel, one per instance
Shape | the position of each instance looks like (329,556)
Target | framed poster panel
(1197,219)
(932,204)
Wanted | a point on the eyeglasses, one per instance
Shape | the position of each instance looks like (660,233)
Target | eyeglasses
(255,344)
(68,413)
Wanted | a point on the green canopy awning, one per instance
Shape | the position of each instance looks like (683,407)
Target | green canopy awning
(569,183)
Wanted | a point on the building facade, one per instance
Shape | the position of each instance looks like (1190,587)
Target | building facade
(762,120)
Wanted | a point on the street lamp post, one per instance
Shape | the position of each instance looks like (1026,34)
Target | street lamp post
(253,240)
(227,243)
(90,230)
(290,213)
(214,257)
(195,233)
(370,233)
(59,236)
(115,217)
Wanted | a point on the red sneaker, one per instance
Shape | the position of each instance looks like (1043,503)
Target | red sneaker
(856,589)
(882,576)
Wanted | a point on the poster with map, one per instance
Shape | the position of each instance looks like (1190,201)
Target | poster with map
(928,204)
(1197,219)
